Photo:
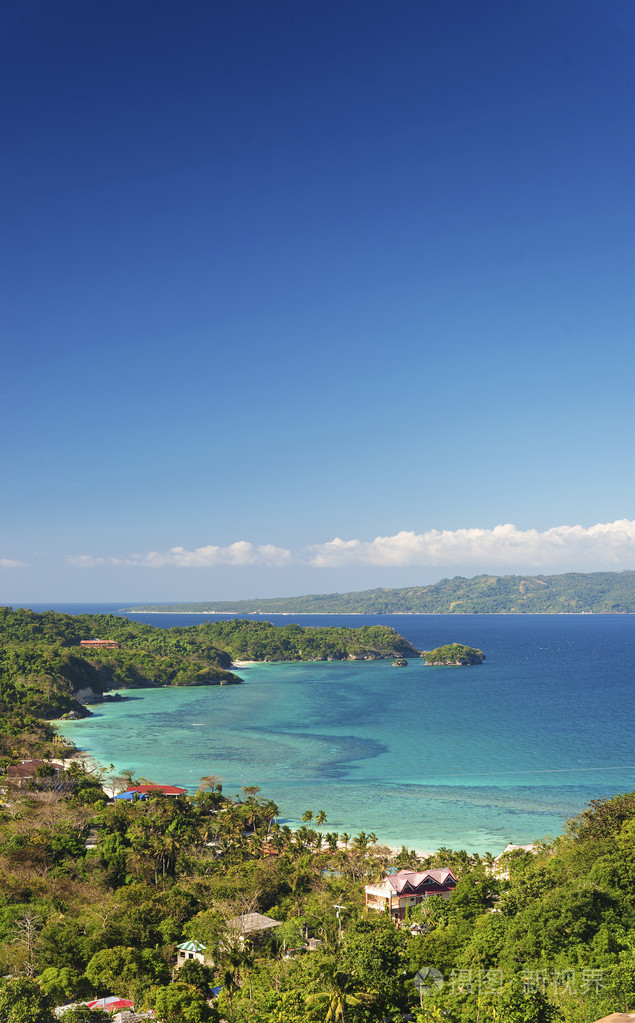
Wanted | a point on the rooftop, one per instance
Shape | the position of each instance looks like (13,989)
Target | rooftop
(28,768)
(192,946)
(404,879)
(250,922)
(146,790)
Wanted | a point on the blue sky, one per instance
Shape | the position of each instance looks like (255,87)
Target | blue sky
(280,273)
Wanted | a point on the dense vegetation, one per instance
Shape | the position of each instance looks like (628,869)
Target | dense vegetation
(550,937)
(575,592)
(43,668)
(454,653)
(262,641)
(552,941)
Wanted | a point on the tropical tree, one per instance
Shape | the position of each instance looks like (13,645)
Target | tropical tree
(119,970)
(373,953)
(197,975)
(23,1001)
(180,1003)
(210,783)
(516,1005)
(63,984)
(321,819)
(360,842)
(337,990)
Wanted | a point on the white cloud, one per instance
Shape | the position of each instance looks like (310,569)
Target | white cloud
(609,544)
(86,560)
(239,553)
(605,545)
(9,563)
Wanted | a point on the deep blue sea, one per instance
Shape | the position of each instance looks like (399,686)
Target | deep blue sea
(460,757)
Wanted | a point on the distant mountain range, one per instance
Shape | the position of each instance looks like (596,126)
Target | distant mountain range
(572,593)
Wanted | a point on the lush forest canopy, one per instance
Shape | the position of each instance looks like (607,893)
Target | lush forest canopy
(551,937)
(43,668)
(572,593)
(95,895)
(454,653)
(262,641)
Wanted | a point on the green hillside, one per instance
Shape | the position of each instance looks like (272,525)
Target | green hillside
(572,593)
(45,672)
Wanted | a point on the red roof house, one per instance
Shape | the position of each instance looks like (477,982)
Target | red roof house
(398,892)
(148,790)
(21,774)
(111,1004)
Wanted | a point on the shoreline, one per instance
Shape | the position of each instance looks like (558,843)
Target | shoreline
(82,755)
(385,614)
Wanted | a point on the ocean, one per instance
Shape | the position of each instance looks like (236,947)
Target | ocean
(468,758)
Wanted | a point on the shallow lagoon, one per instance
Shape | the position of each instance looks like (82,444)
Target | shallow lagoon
(462,757)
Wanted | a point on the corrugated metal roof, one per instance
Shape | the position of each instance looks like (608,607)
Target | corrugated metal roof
(111,1003)
(416,878)
(252,922)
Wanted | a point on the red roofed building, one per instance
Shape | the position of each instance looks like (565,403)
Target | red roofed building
(112,1003)
(404,890)
(148,790)
(22,774)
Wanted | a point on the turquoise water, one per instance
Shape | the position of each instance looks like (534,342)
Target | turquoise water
(462,757)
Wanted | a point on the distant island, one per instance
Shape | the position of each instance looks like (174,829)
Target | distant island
(454,654)
(571,593)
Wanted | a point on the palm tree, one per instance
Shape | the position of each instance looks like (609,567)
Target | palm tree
(338,991)
(360,842)
(331,838)
(307,816)
(270,811)
(229,985)
(321,819)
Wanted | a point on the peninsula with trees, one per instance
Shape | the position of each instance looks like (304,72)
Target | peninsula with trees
(53,664)
(571,593)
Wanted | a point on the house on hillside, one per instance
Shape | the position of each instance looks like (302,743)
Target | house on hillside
(188,951)
(500,865)
(22,774)
(102,644)
(404,890)
(120,1009)
(252,925)
(111,1003)
(143,791)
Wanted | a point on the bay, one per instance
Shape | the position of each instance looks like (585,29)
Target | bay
(427,757)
